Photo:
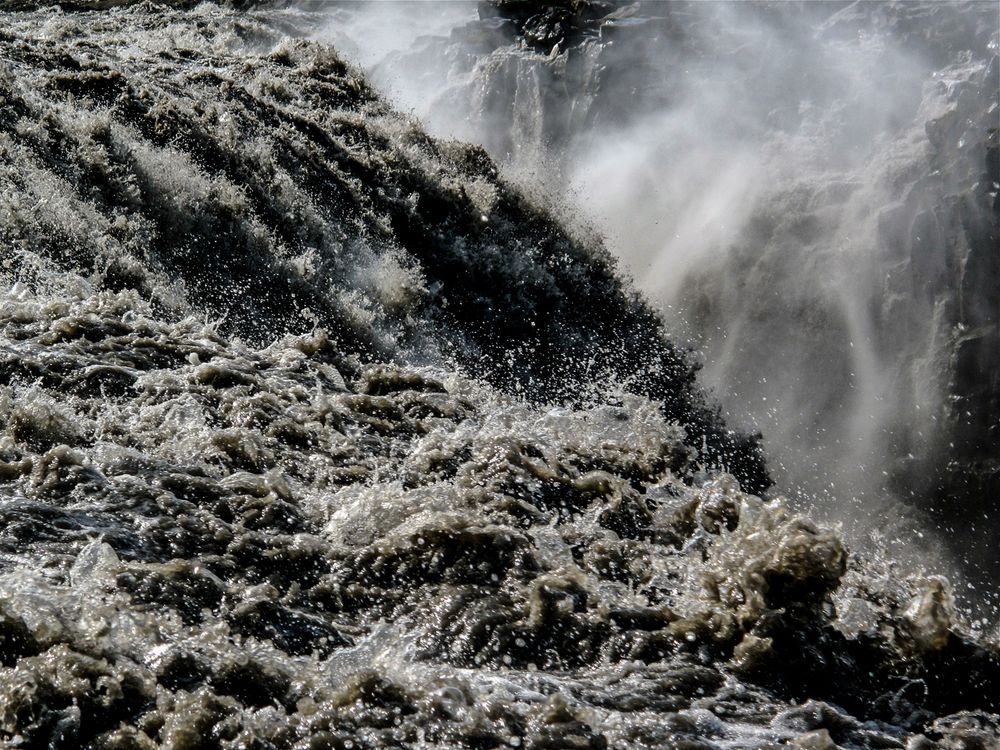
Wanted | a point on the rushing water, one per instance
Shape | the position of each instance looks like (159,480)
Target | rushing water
(809,192)
(318,433)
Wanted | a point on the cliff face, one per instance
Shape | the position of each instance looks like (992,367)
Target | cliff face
(942,239)
(809,188)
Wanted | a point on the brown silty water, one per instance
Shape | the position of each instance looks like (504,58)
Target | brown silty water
(317,432)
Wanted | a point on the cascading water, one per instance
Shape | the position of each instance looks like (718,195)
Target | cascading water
(318,432)
(801,187)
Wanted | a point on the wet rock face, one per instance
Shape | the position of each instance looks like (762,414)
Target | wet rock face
(213,165)
(965,143)
(545,25)
(286,548)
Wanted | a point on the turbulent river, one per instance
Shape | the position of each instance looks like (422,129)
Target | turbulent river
(317,431)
